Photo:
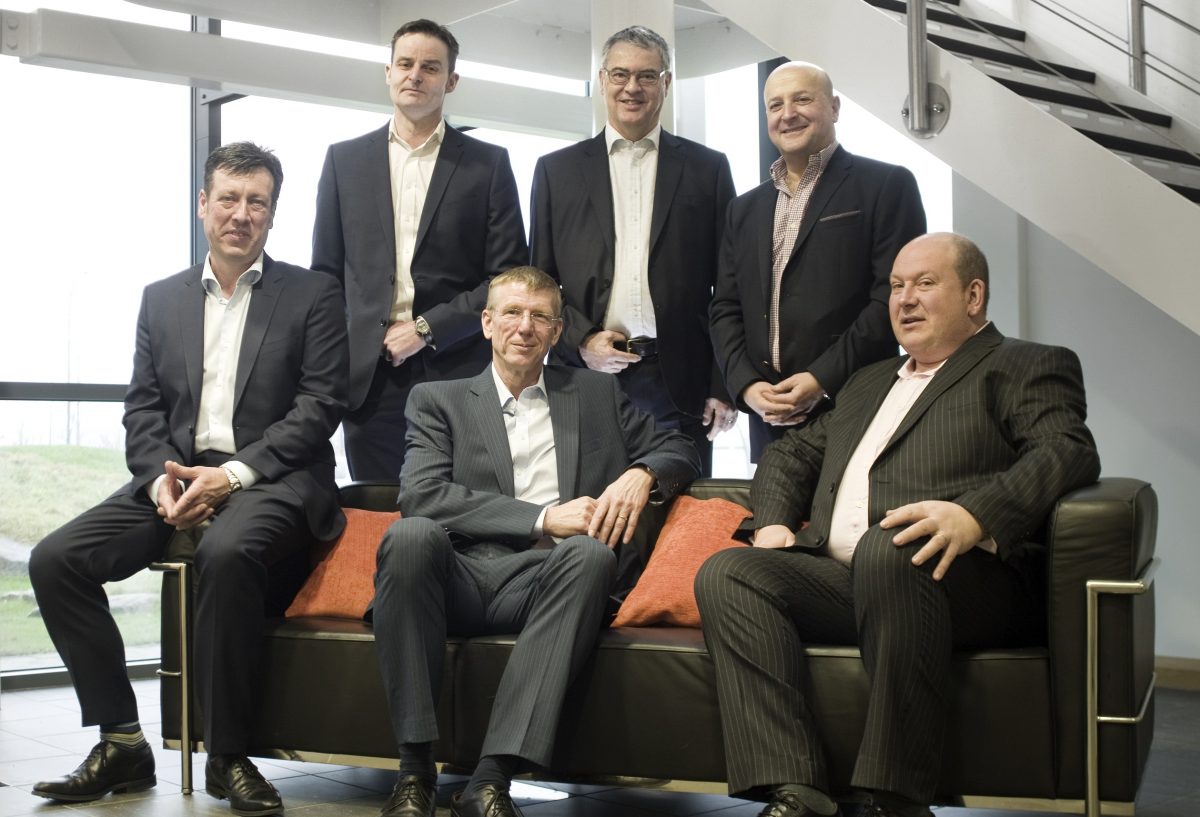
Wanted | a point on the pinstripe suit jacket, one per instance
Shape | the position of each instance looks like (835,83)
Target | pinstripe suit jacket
(999,430)
(458,467)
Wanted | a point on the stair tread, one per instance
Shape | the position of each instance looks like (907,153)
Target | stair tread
(1083,101)
(1009,58)
(1167,154)
(1008,32)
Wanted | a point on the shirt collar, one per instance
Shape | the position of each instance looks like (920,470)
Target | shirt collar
(908,370)
(502,390)
(250,277)
(434,140)
(611,137)
(821,157)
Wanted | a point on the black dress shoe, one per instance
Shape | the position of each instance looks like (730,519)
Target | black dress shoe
(489,802)
(108,768)
(784,803)
(411,797)
(884,809)
(235,778)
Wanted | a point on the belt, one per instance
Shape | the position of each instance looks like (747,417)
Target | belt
(641,346)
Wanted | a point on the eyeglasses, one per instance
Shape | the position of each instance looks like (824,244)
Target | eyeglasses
(512,315)
(645,79)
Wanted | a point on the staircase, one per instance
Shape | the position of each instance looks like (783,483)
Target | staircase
(1138,134)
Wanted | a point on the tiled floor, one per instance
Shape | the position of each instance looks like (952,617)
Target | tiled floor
(40,738)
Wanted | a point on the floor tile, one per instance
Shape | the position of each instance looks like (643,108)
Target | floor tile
(679,804)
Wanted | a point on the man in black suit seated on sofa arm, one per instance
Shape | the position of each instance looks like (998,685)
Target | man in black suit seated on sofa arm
(239,379)
(517,483)
(923,487)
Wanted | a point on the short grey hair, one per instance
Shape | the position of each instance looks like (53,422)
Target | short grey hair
(641,37)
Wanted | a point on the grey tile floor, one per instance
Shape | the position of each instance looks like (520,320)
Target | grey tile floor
(40,738)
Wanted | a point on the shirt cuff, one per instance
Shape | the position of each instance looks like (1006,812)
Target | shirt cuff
(988,544)
(244,472)
(537,526)
(153,487)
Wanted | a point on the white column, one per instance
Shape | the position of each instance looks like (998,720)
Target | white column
(609,17)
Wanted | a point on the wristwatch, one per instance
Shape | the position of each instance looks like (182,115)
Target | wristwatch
(424,330)
(235,483)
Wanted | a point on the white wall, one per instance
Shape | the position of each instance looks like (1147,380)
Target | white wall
(1142,372)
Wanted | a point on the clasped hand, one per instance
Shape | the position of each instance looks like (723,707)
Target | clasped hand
(788,402)
(184,509)
(951,528)
(612,518)
(599,353)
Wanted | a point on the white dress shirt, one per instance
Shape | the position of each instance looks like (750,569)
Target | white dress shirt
(531,444)
(632,167)
(224,325)
(411,169)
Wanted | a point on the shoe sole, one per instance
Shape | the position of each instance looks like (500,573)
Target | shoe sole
(131,787)
(222,794)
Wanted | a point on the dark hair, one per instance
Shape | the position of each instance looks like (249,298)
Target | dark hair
(970,263)
(641,37)
(242,159)
(533,279)
(432,29)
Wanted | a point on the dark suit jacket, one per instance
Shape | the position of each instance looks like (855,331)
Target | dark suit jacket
(833,303)
(573,238)
(458,467)
(999,430)
(290,392)
(470,230)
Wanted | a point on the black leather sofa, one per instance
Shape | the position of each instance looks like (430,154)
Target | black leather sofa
(646,704)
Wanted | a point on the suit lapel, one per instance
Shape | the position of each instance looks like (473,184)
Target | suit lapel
(666,182)
(831,179)
(763,219)
(378,181)
(956,368)
(190,317)
(599,188)
(564,418)
(485,411)
(258,318)
(449,155)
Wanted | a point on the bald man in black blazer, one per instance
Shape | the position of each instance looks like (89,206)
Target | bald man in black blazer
(924,488)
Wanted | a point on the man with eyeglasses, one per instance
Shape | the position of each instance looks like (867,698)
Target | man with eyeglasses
(412,219)
(629,222)
(517,484)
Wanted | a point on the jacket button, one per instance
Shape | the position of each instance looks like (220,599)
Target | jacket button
(383,321)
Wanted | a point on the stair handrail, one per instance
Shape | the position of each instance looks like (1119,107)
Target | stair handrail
(1115,109)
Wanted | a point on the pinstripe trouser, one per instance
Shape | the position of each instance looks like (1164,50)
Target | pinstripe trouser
(759,608)
(425,590)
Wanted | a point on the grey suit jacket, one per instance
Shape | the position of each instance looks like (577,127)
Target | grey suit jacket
(573,238)
(290,392)
(833,300)
(470,230)
(999,430)
(458,467)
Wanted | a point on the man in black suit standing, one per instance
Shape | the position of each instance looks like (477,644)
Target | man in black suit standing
(629,222)
(924,488)
(801,295)
(239,379)
(413,219)
(516,485)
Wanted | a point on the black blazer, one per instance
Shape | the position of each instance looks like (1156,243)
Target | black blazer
(999,430)
(833,304)
(289,396)
(573,238)
(470,230)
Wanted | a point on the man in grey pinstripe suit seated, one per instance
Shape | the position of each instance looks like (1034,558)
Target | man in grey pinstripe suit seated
(923,488)
(516,486)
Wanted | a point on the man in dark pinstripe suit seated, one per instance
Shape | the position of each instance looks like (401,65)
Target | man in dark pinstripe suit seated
(517,484)
(923,488)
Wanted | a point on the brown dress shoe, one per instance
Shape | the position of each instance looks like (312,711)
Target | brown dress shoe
(235,778)
(107,768)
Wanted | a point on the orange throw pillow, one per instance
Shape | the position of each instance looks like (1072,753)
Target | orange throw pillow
(695,529)
(343,582)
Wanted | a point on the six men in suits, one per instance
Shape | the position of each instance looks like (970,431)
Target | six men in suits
(924,489)
(924,486)
(517,484)
(802,288)
(629,222)
(413,219)
(239,379)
